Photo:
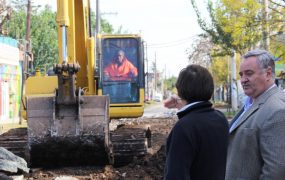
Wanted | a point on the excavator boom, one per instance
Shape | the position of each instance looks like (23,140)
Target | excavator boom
(70,126)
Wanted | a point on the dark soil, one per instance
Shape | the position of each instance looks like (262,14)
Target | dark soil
(149,167)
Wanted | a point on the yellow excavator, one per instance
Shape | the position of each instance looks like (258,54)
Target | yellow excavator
(69,113)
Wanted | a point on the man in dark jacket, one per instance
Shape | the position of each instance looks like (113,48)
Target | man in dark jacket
(196,147)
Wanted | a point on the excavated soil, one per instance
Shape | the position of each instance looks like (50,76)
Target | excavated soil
(147,168)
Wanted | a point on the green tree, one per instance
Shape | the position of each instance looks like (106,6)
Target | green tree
(44,39)
(43,32)
(169,84)
(106,27)
(220,70)
(277,28)
(241,19)
(235,25)
(239,25)
(214,30)
(16,26)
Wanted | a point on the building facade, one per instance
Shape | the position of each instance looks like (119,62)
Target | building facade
(10,80)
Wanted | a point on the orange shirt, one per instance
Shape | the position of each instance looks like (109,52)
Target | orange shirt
(123,72)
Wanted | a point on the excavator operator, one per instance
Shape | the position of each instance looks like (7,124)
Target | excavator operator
(120,69)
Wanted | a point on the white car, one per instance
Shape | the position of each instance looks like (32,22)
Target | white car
(157,98)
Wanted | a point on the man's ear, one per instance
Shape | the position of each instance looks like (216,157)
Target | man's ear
(269,73)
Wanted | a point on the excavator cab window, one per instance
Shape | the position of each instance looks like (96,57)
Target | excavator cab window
(121,69)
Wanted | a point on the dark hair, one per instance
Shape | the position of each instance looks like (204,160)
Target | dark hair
(195,83)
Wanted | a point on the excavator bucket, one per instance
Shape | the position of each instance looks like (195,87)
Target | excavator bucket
(68,134)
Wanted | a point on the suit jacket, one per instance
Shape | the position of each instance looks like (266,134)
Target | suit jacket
(257,143)
(197,145)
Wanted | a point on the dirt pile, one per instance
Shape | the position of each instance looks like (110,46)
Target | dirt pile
(150,167)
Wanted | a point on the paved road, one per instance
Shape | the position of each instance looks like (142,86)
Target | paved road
(157,110)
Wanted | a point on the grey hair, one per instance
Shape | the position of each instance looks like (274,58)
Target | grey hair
(264,58)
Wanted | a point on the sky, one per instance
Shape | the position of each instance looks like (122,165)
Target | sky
(167,27)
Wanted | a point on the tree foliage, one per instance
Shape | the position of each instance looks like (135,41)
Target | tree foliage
(5,14)
(44,40)
(200,52)
(221,70)
(277,28)
(106,27)
(169,84)
(43,33)
(235,25)
(239,25)
(241,19)
(214,30)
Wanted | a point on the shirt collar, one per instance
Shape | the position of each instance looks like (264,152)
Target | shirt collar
(273,85)
(187,106)
(248,102)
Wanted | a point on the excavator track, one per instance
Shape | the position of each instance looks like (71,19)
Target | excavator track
(15,140)
(128,143)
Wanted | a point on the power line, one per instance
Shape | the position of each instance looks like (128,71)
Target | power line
(171,43)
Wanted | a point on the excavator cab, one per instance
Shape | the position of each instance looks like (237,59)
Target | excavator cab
(124,83)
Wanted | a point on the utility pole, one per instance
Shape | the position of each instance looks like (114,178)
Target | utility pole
(164,82)
(165,71)
(155,74)
(234,84)
(228,86)
(27,53)
(97,42)
(147,78)
(98,17)
(27,40)
(266,40)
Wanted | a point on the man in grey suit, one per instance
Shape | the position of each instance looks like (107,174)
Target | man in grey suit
(257,134)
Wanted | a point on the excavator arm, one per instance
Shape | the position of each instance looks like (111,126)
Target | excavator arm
(70,126)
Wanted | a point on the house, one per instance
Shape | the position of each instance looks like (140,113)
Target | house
(10,80)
